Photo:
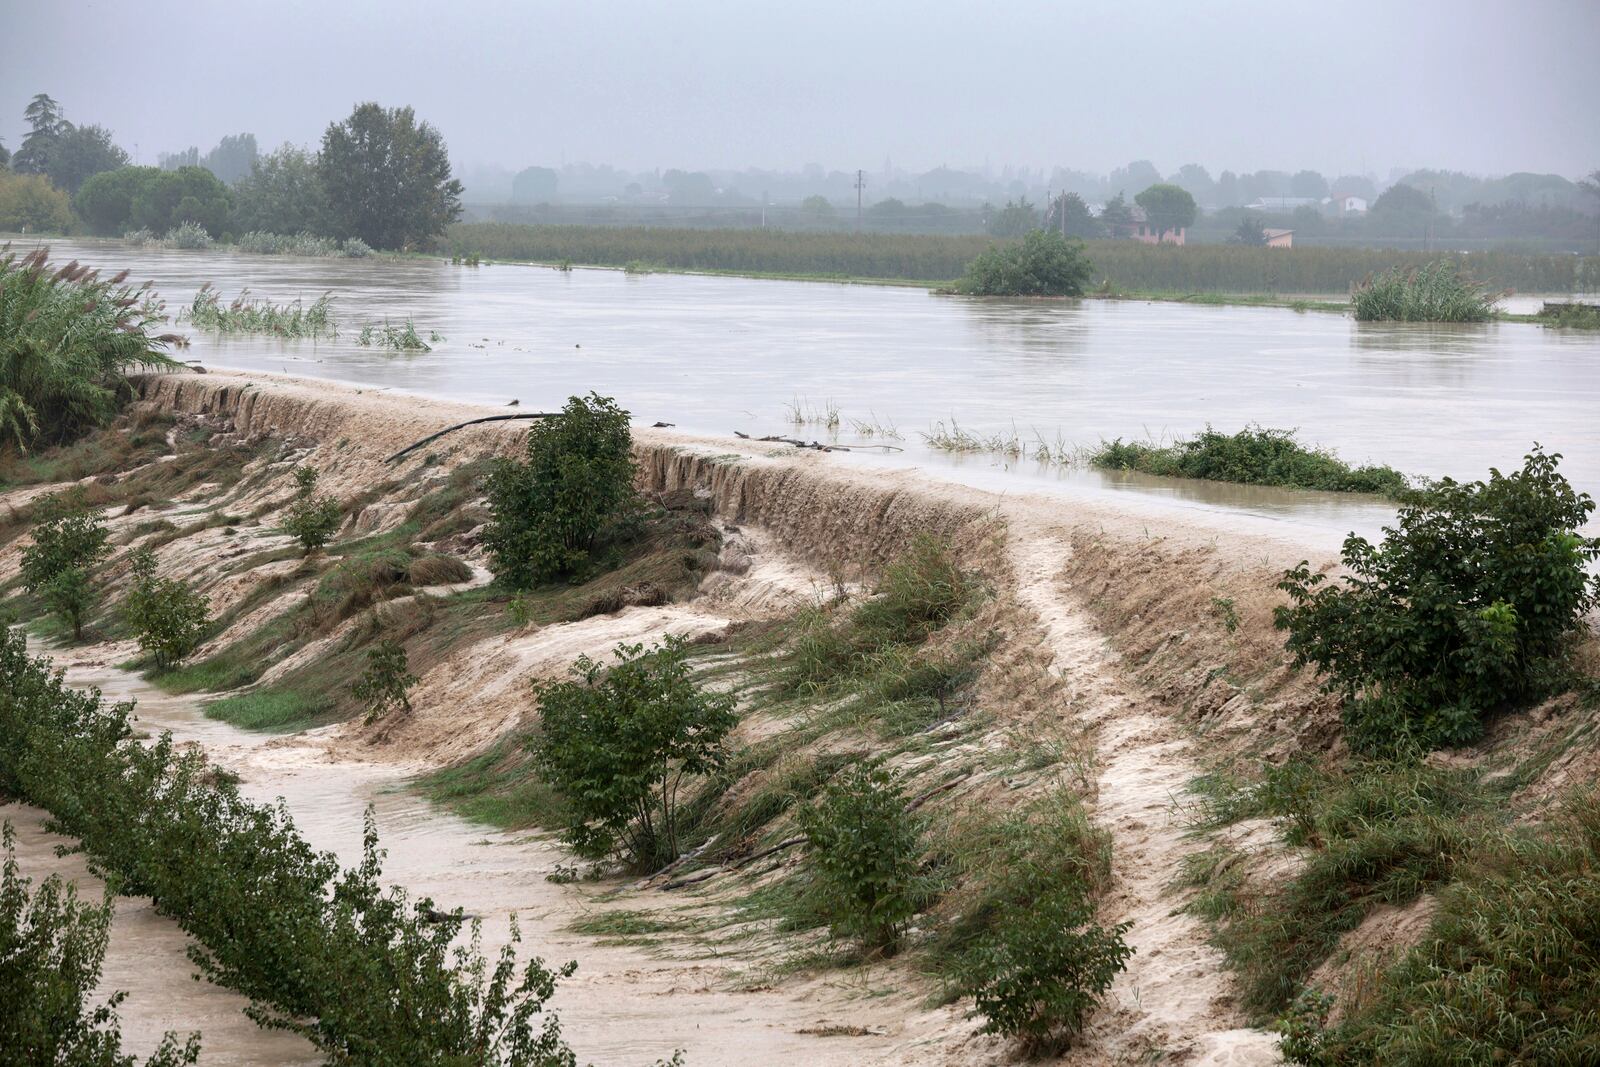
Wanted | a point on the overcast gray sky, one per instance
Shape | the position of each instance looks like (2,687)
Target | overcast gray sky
(1338,86)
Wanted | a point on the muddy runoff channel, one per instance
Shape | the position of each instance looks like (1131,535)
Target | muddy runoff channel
(800,524)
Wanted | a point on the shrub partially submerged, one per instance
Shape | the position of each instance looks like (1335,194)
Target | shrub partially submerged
(1043,263)
(1436,292)
(1469,603)
(1253,456)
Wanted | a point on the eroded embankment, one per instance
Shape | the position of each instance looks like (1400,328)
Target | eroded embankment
(767,530)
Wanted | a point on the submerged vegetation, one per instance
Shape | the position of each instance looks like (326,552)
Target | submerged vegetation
(1253,456)
(1043,264)
(52,952)
(1570,316)
(937,258)
(244,315)
(394,338)
(1433,292)
(304,243)
(321,951)
(68,339)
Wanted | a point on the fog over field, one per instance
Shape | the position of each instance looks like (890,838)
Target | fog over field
(1356,87)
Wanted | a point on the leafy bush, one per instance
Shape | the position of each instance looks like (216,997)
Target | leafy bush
(863,856)
(1253,456)
(167,617)
(1043,264)
(366,974)
(1570,316)
(1045,968)
(1435,292)
(619,744)
(189,235)
(383,687)
(1468,603)
(548,511)
(1025,945)
(67,340)
(52,948)
(30,204)
(55,564)
(312,518)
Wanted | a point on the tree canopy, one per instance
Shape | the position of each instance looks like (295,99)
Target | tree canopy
(1169,208)
(387,178)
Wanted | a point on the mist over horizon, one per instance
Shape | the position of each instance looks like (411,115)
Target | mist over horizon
(711,86)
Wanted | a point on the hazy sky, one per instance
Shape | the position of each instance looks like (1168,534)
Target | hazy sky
(1338,86)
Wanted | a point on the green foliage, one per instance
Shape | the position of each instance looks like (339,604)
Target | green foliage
(163,200)
(1168,208)
(1253,456)
(364,973)
(55,564)
(1506,972)
(1377,834)
(1124,265)
(166,616)
(282,194)
(1467,604)
(395,338)
(1043,264)
(1025,945)
(619,743)
(386,178)
(863,856)
(1570,316)
(1435,292)
(312,519)
(1250,232)
(1045,968)
(52,949)
(1014,220)
(243,315)
(30,204)
(383,687)
(80,153)
(67,339)
(576,481)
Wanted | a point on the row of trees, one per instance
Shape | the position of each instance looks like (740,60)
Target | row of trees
(1163,208)
(381,175)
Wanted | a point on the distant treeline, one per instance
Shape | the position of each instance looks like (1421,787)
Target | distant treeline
(1121,265)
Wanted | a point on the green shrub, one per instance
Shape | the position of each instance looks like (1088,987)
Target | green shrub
(1469,602)
(549,510)
(383,687)
(55,565)
(1024,944)
(1435,292)
(1045,967)
(312,518)
(52,948)
(67,340)
(863,857)
(1253,456)
(1570,316)
(619,745)
(365,973)
(244,315)
(166,616)
(1044,263)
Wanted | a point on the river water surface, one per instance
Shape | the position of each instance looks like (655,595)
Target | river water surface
(718,354)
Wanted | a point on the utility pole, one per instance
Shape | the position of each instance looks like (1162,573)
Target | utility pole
(763,209)
(861,183)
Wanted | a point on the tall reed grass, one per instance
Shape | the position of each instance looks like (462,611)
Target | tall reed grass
(1433,292)
(244,315)
(67,340)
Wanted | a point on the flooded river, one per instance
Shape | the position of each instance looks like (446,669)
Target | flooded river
(716,355)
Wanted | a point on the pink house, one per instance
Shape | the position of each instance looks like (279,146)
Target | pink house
(1142,231)
(1279,238)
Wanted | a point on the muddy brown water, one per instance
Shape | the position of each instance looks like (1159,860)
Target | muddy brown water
(718,354)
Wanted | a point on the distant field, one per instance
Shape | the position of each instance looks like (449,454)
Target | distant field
(1122,265)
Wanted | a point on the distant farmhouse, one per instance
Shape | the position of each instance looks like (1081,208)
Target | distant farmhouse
(1278,238)
(1138,228)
